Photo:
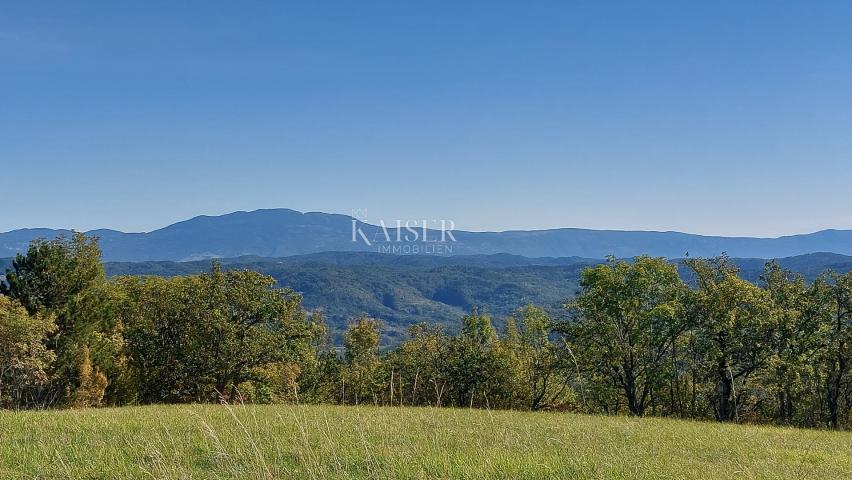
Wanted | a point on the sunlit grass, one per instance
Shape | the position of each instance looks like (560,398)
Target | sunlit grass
(320,442)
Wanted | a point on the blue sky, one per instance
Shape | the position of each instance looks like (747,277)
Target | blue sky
(718,118)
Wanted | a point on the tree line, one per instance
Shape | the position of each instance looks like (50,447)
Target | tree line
(639,338)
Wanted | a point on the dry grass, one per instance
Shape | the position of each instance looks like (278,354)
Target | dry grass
(324,442)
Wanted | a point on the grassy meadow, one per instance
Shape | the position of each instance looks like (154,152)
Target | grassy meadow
(321,442)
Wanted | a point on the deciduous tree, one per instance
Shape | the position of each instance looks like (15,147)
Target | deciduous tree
(628,317)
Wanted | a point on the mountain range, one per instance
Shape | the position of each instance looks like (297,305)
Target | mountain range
(284,232)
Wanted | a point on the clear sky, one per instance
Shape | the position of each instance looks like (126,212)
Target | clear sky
(729,118)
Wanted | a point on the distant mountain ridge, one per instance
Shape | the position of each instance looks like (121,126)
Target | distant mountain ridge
(284,232)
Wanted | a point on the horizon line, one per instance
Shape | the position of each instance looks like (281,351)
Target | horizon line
(280,209)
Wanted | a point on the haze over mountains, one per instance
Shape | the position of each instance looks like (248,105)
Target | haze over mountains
(284,232)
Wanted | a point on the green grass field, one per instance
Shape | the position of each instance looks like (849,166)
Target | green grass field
(320,442)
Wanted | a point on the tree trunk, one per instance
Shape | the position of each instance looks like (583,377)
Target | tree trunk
(633,403)
(724,412)
(834,393)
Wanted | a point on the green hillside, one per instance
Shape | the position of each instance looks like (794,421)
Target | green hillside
(402,290)
(399,292)
(322,442)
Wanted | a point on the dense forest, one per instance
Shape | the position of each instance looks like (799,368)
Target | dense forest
(641,337)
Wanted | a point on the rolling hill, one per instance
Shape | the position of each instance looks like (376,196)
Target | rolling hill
(402,290)
(366,442)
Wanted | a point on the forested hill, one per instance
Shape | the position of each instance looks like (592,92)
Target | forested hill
(402,290)
(283,232)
